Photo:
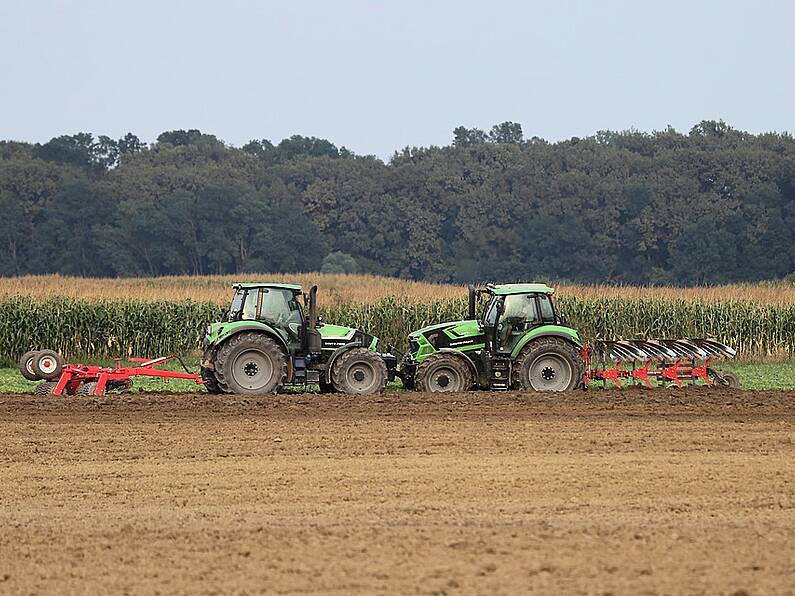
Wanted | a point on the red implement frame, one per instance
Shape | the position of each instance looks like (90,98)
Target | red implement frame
(665,372)
(74,375)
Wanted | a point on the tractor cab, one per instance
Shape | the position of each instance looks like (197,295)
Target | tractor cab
(512,310)
(276,305)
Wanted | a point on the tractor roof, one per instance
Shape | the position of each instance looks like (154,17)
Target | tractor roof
(266,284)
(508,289)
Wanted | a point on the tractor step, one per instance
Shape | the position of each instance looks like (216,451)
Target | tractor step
(500,374)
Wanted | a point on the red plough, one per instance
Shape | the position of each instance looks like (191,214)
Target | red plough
(657,363)
(87,379)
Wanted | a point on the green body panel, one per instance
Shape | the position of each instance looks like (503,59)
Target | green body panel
(452,328)
(509,289)
(456,331)
(334,334)
(218,332)
(558,330)
(336,331)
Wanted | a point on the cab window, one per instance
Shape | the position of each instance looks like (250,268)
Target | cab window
(521,306)
(547,313)
(276,305)
(250,305)
(490,318)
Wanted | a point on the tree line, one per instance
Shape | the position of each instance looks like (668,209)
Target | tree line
(712,205)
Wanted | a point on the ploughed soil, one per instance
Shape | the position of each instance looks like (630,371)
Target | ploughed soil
(626,492)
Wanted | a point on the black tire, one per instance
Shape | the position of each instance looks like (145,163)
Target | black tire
(728,379)
(441,372)
(26,365)
(88,389)
(210,382)
(326,387)
(548,364)
(251,363)
(359,371)
(47,365)
(409,381)
(732,380)
(45,388)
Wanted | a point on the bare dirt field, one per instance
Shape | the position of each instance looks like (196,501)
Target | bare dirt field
(687,491)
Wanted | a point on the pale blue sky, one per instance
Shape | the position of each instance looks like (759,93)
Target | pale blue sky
(377,76)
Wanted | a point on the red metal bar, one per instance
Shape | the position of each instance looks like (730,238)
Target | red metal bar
(73,375)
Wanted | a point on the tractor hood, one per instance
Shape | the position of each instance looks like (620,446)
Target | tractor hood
(335,336)
(454,328)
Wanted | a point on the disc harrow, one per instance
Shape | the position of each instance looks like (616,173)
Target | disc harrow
(89,379)
(657,362)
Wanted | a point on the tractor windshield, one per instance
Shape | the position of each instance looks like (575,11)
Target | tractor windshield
(521,307)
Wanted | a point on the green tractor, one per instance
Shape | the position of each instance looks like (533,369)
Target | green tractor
(519,342)
(269,340)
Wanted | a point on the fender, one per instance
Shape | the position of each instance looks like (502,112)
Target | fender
(465,357)
(337,353)
(234,329)
(566,333)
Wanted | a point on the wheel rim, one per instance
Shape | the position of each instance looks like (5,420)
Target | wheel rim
(361,376)
(47,365)
(550,372)
(252,370)
(29,365)
(445,378)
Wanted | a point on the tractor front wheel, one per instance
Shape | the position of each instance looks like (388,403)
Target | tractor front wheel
(442,372)
(548,364)
(359,371)
(250,363)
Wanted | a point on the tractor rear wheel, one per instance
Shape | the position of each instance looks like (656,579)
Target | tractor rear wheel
(359,371)
(548,364)
(26,365)
(250,362)
(442,372)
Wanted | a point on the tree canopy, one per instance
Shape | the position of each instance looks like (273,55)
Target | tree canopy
(714,205)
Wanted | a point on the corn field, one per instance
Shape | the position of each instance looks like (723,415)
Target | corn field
(353,288)
(99,329)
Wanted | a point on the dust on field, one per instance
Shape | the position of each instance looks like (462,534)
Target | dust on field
(635,491)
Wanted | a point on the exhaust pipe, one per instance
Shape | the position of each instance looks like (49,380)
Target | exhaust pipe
(313,307)
(314,342)
(471,314)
